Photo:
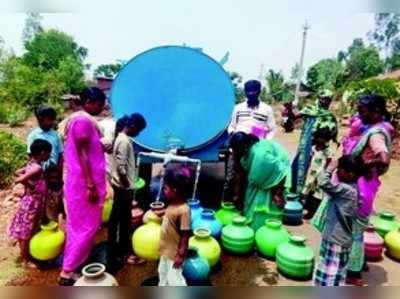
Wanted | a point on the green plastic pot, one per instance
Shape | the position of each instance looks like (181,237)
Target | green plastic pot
(295,259)
(384,223)
(237,237)
(269,237)
(139,184)
(226,214)
(261,215)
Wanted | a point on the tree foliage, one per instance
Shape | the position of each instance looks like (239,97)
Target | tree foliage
(13,157)
(277,89)
(393,62)
(386,35)
(32,27)
(295,73)
(364,63)
(237,84)
(108,70)
(52,65)
(387,88)
(49,48)
(326,74)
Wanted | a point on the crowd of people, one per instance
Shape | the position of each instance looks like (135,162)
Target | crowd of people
(68,172)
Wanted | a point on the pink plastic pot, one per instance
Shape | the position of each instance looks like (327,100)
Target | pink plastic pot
(373,244)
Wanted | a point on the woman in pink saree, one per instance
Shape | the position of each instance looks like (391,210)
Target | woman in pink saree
(370,137)
(84,183)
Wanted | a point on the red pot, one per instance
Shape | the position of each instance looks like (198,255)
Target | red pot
(137,214)
(373,244)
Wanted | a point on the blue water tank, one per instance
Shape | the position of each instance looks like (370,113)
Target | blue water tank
(186,97)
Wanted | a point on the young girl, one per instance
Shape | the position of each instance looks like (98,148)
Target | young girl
(175,227)
(321,155)
(123,173)
(31,207)
(337,236)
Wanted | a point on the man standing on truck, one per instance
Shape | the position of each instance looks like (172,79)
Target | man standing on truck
(250,117)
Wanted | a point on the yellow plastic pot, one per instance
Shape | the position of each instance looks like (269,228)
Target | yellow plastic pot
(207,247)
(48,243)
(392,242)
(146,239)
(105,217)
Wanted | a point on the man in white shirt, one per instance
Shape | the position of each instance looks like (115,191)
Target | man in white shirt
(253,116)
(250,117)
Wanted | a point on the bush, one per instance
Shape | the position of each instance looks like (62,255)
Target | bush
(13,156)
(13,114)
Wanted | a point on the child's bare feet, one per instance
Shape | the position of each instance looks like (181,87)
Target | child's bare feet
(135,260)
(30,265)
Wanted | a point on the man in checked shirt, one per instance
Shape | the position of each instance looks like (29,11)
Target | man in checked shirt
(251,117)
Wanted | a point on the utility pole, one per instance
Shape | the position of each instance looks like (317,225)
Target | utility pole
(303,48)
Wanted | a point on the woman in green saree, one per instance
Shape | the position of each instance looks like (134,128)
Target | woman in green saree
(315,117)
(266,167)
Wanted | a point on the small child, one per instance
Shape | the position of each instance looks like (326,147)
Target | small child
(337,235)
(55,195)
(321,155)
(175,227)
(31,207)
(123,173)
(46,117)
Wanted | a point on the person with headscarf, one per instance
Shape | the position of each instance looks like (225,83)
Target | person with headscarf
(369,138)
(250,117)
(253,116)
(84,183)
(315,117)
(265,176)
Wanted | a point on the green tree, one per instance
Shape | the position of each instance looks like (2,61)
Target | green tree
(386,35)
(32,27)
(393,62)
(277,89)
(295,73)
(108,70)
(52,66)
(364,63)
(358,43)
(49,48)
(237,80)
(387,88)
(326,74)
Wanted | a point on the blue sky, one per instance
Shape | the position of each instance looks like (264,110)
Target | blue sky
(255,32)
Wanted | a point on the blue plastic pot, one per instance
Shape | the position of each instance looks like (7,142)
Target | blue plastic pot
(195,268)
(293,210)
(208,220)
(195,209)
